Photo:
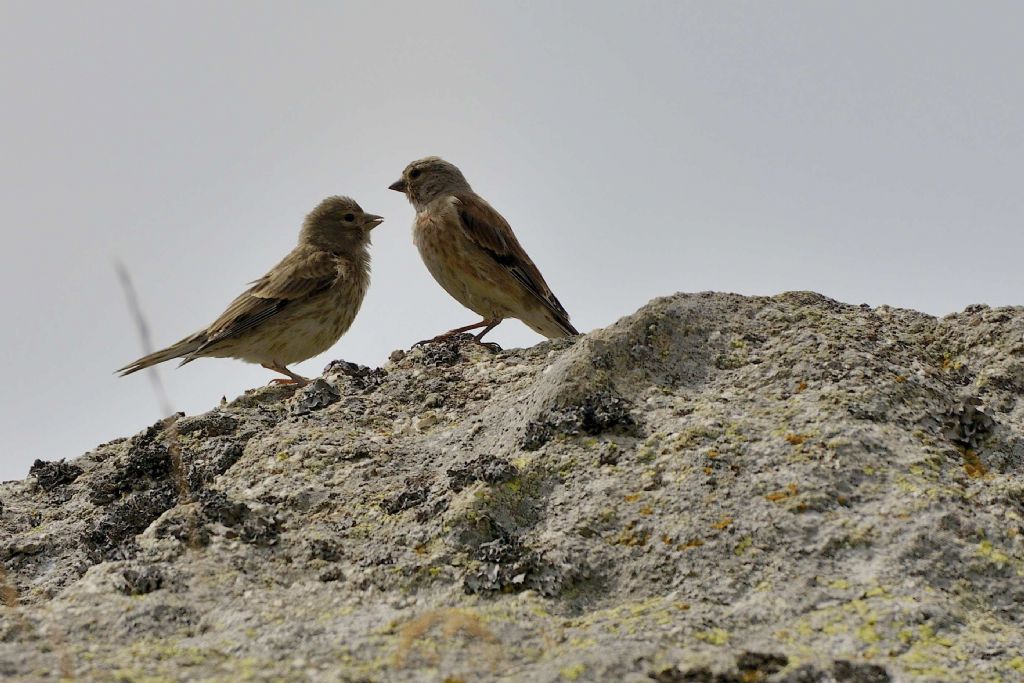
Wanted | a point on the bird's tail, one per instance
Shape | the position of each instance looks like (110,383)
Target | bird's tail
(566,329)
(552,326)
(183,348)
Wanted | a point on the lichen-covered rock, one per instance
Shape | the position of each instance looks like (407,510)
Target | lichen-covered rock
(716,488)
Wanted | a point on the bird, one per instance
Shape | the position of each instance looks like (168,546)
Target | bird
(300,308)
(471,251)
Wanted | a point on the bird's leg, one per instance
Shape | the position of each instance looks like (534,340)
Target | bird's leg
(490,345)
(292,377)
(491,324)
(487,324)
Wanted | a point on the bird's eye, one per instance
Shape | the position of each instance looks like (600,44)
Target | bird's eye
(348,217)
(414,174)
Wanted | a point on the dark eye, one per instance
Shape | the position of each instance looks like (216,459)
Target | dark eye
(348,218)
(414,174)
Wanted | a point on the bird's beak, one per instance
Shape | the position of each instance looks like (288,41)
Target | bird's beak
(373,221)
(397,186)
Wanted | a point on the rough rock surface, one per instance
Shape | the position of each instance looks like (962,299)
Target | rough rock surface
(716,488)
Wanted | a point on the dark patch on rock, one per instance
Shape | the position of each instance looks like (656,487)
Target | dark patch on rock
(405,500)
(147,463)
(697,674)
(806,673)
(331,574)
(315,396)
(509,566)
(214,423)
(967,424)
(429,512)
(444,353)
(485,468)
(203,467)
(761,662)
(51,475)
(851,672)
(182,524)
(365,378)
(242,522)
(610,455)
(326,549)
(142,580)
(595,414)
(111,537)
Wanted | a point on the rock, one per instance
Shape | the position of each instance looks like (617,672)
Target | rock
(716,488)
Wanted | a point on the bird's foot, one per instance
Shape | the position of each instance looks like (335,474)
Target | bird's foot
(460,334)
(493,347)
(288,381)
(445,338)
(292,379)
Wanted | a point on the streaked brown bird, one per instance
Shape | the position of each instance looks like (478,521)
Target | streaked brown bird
(297,310)
(473,254)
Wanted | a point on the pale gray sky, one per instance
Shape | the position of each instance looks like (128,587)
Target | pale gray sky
(872,151)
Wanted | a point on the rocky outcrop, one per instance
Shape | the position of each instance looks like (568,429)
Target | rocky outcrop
(716,488)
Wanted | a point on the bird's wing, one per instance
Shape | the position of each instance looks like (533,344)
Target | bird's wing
(492,233)
(300,275)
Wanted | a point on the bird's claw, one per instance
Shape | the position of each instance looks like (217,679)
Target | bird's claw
(288,381)
(442,338)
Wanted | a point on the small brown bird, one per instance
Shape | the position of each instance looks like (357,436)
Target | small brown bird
(473,254)
(301,307)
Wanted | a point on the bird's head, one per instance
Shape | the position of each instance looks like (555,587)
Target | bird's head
(425,180)
(338,224)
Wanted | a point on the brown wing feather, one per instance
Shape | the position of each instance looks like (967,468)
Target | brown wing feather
(492,233)
(301,274)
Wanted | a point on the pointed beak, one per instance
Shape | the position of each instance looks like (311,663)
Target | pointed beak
(373,221)
(397,186)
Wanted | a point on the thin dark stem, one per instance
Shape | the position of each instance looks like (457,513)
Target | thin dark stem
(143,329)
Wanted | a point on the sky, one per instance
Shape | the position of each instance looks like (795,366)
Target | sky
(870,151)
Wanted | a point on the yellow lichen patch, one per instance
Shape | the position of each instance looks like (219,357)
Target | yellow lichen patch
(714,636)
(631,497)
(450,621)
(796,439)
(573,672)
(868,633)
(973,465)
(723,523)
(840,584)
(788,492)
(743,546)
(632,536)
(986,550)
(690,544)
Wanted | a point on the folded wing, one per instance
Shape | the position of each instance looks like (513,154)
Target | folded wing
(301,275)
(492,233)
